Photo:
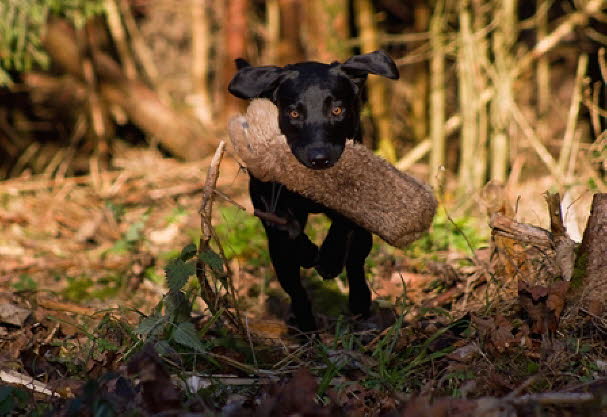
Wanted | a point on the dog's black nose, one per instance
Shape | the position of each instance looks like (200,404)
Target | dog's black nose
(319,158)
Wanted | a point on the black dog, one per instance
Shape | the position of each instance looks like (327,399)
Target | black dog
(319,108)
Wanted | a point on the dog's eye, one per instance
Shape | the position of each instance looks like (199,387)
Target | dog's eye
(337,110)
(294,114)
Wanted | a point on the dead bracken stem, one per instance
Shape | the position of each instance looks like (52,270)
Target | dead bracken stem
(210,294)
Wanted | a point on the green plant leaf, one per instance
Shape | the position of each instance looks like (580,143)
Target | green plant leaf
(150,325)
(178,272)
(185,334)
(213,260)
(187,252)
(134,232)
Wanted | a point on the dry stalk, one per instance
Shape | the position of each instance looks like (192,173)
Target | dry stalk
(438,137)
(415,154)
(214,300)
(114,22)
(569,148)
(568,25)
(468,98)
(543,64)
(141,52)
(422,148)
(536,143)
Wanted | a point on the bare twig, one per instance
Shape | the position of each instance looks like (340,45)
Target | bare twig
(213,299)
(536,143)
(120,39)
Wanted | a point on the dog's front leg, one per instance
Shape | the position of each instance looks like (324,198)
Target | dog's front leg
(334,249)
(359,248)
(283,252)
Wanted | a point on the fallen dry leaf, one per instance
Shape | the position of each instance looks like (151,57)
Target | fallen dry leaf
(157,391)
(12,314)
(543,305)
(293,398)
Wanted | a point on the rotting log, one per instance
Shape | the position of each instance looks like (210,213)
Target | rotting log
(592,258)
(179,133)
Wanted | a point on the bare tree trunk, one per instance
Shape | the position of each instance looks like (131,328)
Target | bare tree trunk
(326,30)
(437,95)
(419,100)
(543,64)
(503,41)
(592,256)
(273,30)
(376,86)
(468,102)
(201,46)
(236,35)
(481,62)
(223,75)
(291,49)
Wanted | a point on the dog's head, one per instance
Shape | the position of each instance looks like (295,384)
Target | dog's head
(318,104)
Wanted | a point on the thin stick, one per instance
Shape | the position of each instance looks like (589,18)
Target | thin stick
(536,143)
(141,52)
(563,29)
(568,145)
(422,148)
(205,211)
(555,398)
(415,154)
(119,35)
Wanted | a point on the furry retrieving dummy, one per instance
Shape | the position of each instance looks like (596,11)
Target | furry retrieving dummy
(362,186)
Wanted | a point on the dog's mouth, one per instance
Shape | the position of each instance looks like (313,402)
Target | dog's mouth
(318,158)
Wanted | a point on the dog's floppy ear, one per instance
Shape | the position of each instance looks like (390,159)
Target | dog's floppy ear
(241,63)
(253,82)
(377,62)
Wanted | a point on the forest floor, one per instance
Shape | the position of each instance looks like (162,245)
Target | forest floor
(98,316)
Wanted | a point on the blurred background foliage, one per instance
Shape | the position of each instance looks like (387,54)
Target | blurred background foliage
(500,90)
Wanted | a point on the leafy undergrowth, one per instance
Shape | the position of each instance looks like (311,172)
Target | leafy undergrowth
(111,322)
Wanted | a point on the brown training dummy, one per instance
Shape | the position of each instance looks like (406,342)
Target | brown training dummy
(362,186)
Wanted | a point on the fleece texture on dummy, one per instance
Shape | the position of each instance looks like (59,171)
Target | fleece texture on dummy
(362,186)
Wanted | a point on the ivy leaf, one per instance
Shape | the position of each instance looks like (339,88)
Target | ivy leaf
(185,334)
(187,252)
(177,273)
(213,260)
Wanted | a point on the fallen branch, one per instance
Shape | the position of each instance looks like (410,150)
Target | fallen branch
(507,227)
(16,378)
(555,398)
